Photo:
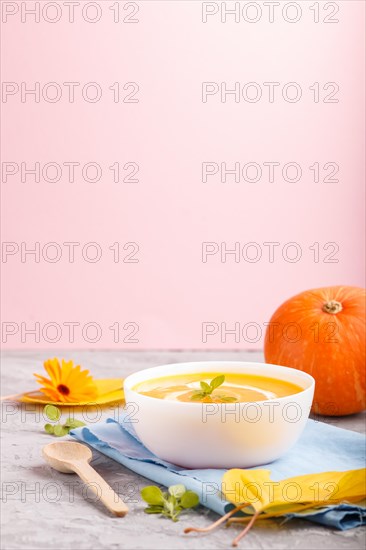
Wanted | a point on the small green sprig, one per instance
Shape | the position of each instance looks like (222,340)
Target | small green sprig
(169,504)
(207,390)
(53,413)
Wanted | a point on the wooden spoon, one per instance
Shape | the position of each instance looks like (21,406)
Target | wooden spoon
(69,457)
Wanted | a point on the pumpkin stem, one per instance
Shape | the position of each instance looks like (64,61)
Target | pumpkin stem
(333,307)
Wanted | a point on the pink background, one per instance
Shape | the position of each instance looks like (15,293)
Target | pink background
(170,292)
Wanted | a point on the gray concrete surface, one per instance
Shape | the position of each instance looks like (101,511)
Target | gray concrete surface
(42,508)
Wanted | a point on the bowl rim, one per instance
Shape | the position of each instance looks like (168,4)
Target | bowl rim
(129,382)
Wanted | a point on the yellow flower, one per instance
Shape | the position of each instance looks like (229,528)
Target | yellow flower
(67,384)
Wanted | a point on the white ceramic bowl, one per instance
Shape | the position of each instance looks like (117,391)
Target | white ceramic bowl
(224,435)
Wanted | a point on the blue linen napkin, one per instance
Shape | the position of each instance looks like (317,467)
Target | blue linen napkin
(321,448)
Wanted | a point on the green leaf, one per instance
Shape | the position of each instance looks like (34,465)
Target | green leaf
(177,511)
(60,431)
(78,424)
(153,510)
(189,499)
(156,507)
(73,423)
(197,396)
(217,381)
(205,387)
(168,504)
(49,428)
(152,495)
(227,399)
(52,412)
(177,490)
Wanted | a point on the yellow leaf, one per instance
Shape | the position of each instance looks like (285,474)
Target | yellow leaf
(292,494)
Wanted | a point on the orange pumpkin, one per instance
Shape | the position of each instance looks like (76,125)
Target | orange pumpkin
(323,332)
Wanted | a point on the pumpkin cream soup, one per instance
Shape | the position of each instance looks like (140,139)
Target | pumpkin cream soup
(210,387)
